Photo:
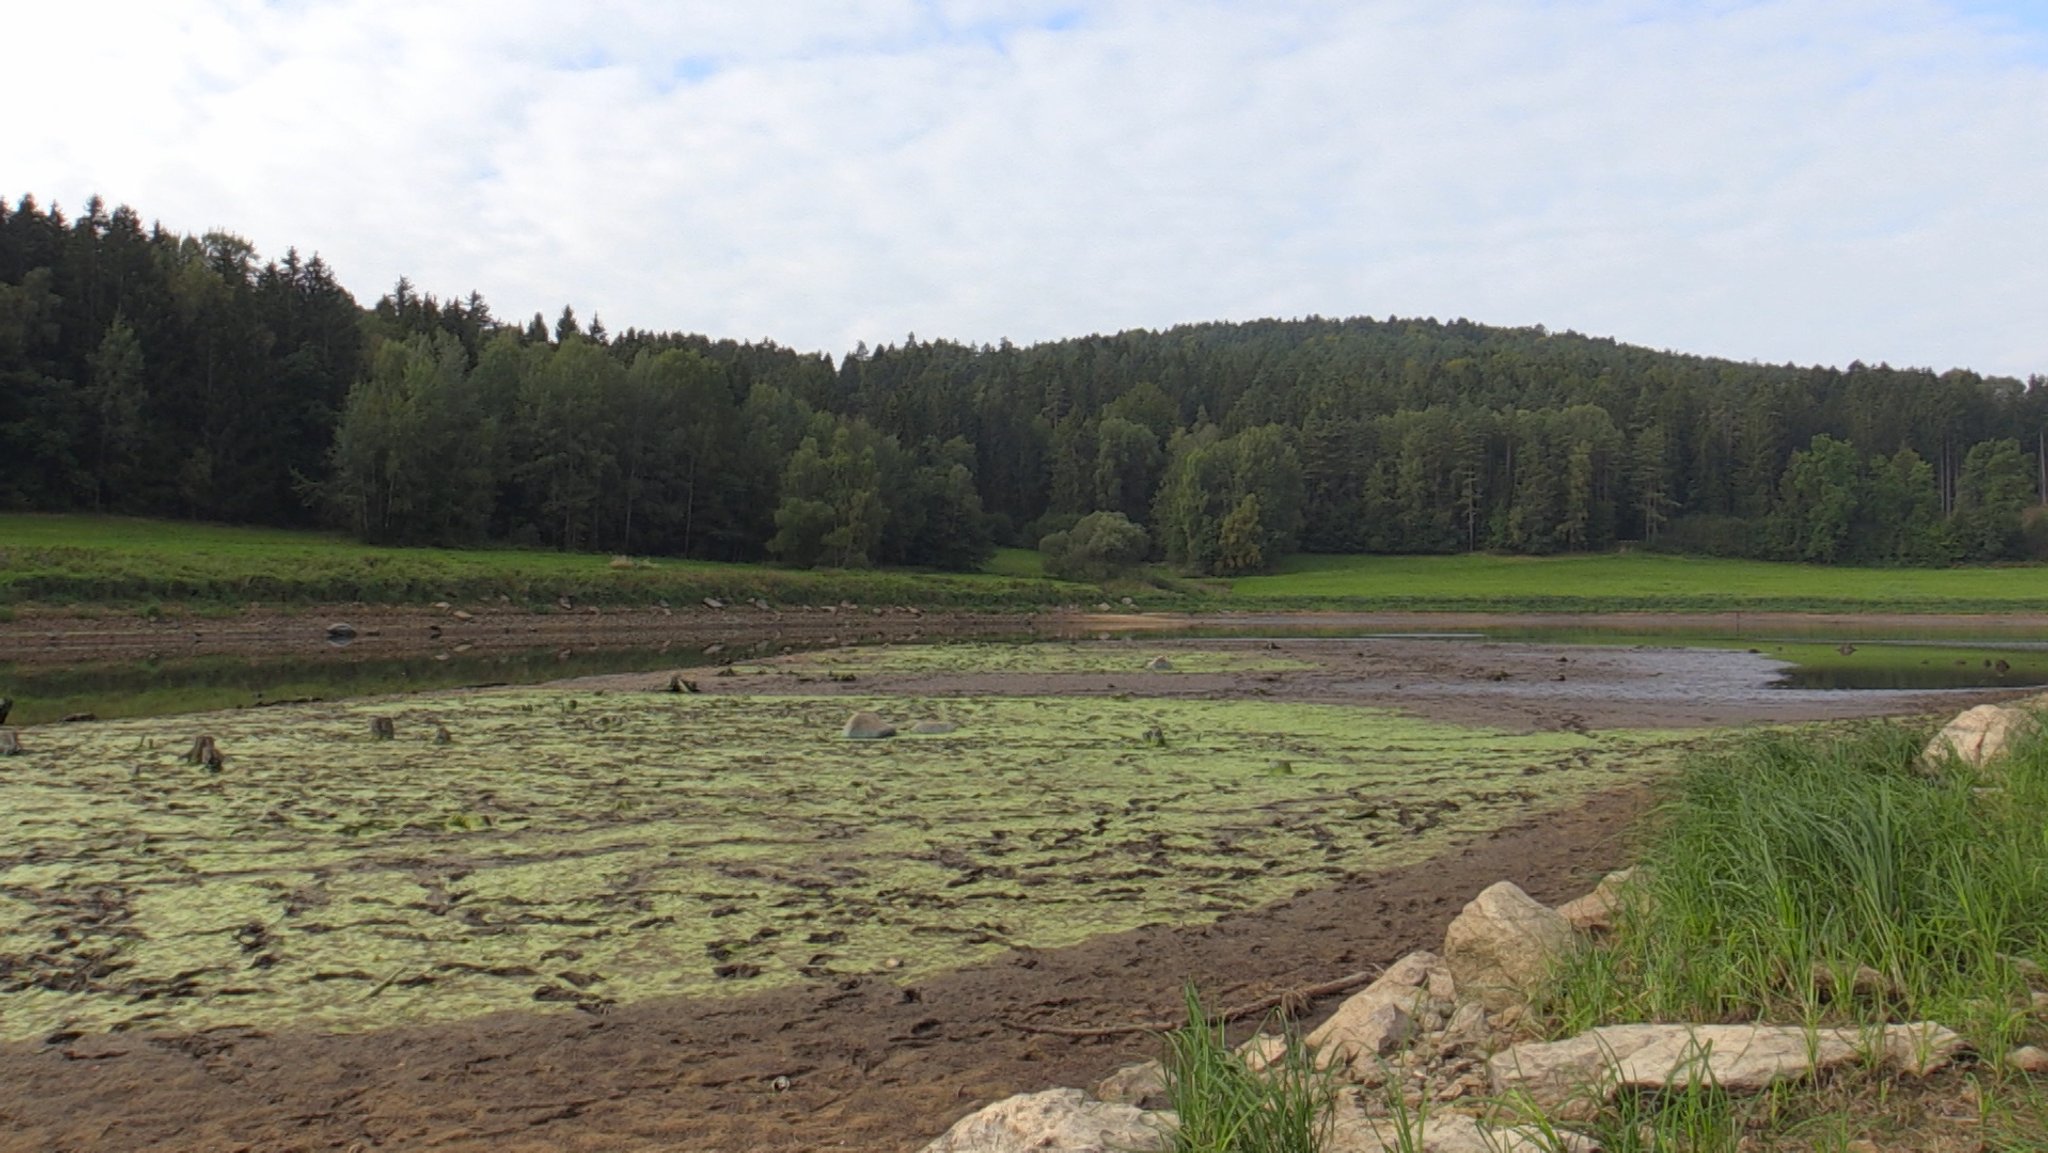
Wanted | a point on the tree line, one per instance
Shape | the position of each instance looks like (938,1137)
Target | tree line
(147,372)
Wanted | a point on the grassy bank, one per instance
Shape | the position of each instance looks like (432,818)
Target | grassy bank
(127,562)
(1630,582)
(1827,879)
(77,560)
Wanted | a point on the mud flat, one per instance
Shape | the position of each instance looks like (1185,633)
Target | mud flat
(608,916)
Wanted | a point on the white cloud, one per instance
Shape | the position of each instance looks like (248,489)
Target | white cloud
(1807,180)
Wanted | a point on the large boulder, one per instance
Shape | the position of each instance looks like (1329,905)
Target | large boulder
(1738,1058)
(1057,1121)
(1978,736)
(1379,1018)
(1503,944)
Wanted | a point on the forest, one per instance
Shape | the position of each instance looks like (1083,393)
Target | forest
(152,373)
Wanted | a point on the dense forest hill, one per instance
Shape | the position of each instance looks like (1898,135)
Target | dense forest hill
(143,371)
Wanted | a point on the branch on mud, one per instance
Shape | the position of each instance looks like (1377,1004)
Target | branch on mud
(1293,1000)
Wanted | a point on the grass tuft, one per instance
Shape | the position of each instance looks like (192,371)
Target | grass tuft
(1225,1106)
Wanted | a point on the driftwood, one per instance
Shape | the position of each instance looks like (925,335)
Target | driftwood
(1292,1000)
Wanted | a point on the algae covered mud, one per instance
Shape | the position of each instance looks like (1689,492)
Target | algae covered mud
(582,848)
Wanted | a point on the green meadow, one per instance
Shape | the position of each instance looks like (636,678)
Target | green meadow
(129,563)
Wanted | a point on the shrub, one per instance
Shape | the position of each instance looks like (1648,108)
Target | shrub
(1100,546)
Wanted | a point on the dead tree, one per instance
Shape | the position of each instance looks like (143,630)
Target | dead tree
(205,753)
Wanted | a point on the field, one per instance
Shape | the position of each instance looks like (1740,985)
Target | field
(89,561)
(1637,582)
(112,560)
(585,849)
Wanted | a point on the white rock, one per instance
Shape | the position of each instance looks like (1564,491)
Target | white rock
(1056,1121)
(1262,1050)
(1978,736)
(1738,1058)
(1439,1131)
(1503,944)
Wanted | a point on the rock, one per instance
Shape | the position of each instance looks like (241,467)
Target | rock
(1359,1033)
(1261,1050)
(1737,1058)
(1439,1131)
(2028,1059)
(1159,665)
(866,726)
(1595,912)
(460,615)
(1503,944)
(1977,736)
(10,743)
(713,603)
(1864,981)
(1142,1085)
(341,631)
(934,728)
(1056,1121)
(1468,1030)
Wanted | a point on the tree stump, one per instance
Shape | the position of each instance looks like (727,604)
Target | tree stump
(383,729)
(205,753)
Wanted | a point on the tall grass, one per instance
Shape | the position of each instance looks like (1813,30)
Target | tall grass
(1225,1106)
(1826,877)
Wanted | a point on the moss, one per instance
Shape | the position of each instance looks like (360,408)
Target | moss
(590,847)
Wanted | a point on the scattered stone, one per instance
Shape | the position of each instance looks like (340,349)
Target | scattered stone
(1978,736)
(1359,1033)
(1595,912)
(1503,944)
(1159,665)
(1468,1030)
(1142,1085)
(460,615)
(2030,1059)
(383,729)
(341,631)
(934,728)
(713,603)
(1057,1121)
(444,606)
(10,743)
(1737,1058)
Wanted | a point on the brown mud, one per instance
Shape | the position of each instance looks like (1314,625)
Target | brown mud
(44,635)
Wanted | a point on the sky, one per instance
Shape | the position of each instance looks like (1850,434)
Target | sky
(1805,181)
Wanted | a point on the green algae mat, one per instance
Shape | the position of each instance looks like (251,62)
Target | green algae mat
(579,850)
